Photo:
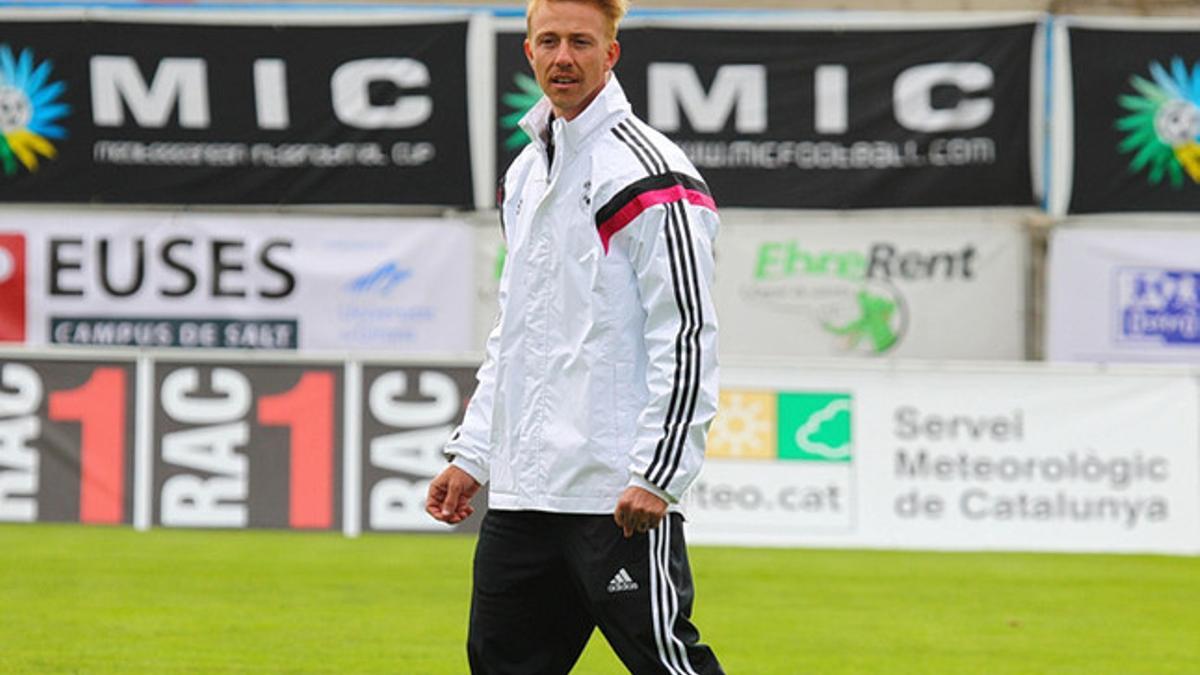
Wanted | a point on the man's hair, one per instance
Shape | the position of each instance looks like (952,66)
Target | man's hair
(613,10)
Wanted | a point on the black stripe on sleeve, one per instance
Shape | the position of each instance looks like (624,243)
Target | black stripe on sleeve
(648,184)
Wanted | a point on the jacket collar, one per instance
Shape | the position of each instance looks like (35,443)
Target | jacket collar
(610,101)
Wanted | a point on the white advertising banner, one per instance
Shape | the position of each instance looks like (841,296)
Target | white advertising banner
(967,458)
(145,279)
(909,287)
(1123,295)
(490,253)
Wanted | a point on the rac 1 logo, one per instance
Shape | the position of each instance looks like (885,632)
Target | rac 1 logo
(65,441)
(218,464)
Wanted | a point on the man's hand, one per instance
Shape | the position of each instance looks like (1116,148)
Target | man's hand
(450,495)
(639,510)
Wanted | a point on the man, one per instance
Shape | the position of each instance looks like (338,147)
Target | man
(600,378)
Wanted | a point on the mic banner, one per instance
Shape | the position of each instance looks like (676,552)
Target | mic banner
(150,112)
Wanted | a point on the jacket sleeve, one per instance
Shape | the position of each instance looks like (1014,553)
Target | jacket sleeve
(669,245)
(470,445)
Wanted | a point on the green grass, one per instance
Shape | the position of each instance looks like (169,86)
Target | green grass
(99,600)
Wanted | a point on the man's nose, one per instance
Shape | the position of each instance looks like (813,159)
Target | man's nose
(562,55)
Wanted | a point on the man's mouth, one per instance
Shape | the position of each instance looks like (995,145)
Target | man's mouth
(563,79)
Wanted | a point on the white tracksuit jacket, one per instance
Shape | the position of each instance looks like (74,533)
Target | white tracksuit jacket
(601,372)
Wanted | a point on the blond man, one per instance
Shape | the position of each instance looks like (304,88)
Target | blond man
(600,379)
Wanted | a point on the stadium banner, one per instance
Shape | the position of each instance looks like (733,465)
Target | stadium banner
(408,413)
(67,438)
(1123,294)
(941,287)
(962,458)
(245,442)
(147,279)
(200,109)
(1135,120)
(803,453)
(490,254)
(831,114)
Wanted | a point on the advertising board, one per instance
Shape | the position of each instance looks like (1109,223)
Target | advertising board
(828,116)
(963,458)
(194,109)
(907,287)
(67,439)
(1135,115)
(144,279)
(1123,294)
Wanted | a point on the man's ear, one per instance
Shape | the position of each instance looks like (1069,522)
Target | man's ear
(614,54)
(528,52)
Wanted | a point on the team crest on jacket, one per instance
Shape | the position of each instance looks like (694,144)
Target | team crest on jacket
(587,195)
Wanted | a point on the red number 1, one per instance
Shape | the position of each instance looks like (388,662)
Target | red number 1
(98,405)
(307,410)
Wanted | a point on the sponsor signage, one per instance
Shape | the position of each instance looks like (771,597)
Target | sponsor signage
(1007,457)
(778,461)
(823,117)
(920,288)
(1123,295)
(490,254)
(960,458)
(242,444)
(13,297)
(1136,120)
(408,414)
(67,440)
(251,113)
(226,281)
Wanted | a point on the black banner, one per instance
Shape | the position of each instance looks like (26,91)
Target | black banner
(408,414)
(234,114)
(67,440)
(248,445)
(824,118)
(1137,120)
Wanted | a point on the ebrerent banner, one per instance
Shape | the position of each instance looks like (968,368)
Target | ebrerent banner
(144,279)
(965,458)
(908,286)
(1123,294)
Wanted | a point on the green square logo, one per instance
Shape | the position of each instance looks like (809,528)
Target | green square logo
(815,427)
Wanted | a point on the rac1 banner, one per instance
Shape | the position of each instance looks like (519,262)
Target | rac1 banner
(151,112)
(819,116)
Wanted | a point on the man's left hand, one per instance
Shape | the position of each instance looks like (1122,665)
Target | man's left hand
(639,511)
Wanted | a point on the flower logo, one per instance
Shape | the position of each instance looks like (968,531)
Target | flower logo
(1163,124)
(519,102)
(30,111)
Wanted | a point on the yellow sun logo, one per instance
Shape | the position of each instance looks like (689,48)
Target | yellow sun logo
(745,427)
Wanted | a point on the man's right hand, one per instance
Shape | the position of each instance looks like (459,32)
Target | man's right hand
(450,495)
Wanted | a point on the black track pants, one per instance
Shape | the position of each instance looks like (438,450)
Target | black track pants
(543,581)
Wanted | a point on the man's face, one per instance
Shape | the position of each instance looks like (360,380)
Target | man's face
(570,54)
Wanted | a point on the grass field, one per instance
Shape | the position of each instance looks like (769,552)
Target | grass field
(99,600)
